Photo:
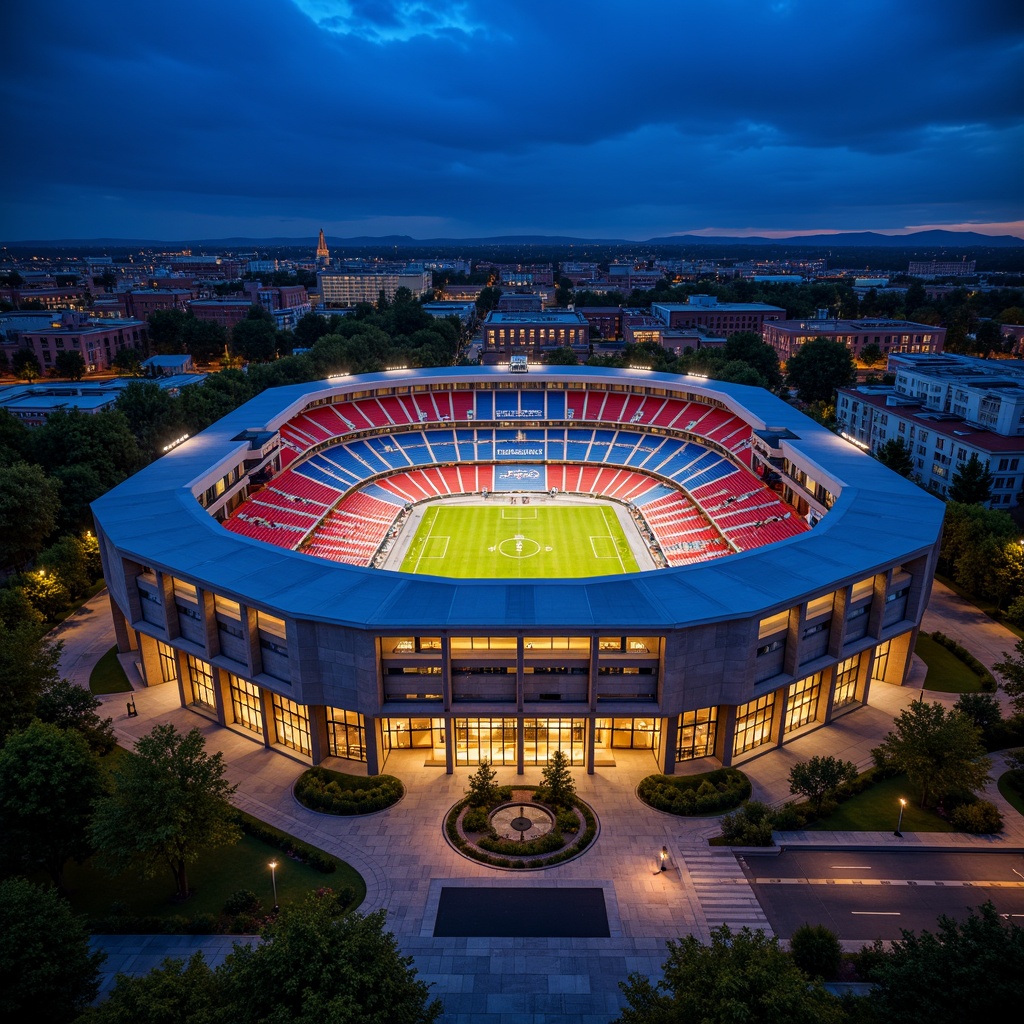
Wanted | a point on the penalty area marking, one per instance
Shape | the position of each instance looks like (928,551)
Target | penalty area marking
(519,513)
(435,547)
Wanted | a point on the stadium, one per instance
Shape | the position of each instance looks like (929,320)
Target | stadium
(470,563)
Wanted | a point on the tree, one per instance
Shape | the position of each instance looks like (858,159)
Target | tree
(49,782)
(940,751)
(561,356)
(69,364)
(1011,668)
(897,455)
(128,360)
(738,977)
(482,789)
(982,709)
(255,337)
(310,329)
(870,354)
(47,971)
(967,970)
(816,951)
(487,299)
(167,331)
(818,367)
(169,804)
(25,366)
(176,992)
(557,781)
(972,482)
(28,666)
(153,416)
(68,561)
(204,340)
(68,706)
(974,543)
(988,337)
(819,777)
(28,512)
(749,348)
(315,967)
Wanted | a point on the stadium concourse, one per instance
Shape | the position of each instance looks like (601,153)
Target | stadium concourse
(473,564)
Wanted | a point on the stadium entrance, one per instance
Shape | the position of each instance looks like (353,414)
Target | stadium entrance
(520,742)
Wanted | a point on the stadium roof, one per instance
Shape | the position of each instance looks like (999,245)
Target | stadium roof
(878,518)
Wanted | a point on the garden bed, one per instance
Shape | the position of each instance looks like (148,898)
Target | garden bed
(695,795)
(329,792)
(575,828)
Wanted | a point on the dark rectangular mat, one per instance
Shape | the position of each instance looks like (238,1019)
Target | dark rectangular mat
(520,913)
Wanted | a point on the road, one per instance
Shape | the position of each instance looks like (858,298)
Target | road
(863,896)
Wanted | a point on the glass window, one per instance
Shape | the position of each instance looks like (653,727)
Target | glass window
(225,606)
(200,676)
(245,704)
(271,624)
(802,702)
(543,736)
(491,738)
(697,733)
(773,624)
(847,673)
(881,664)
(863,590)
(168,662)
(819,606)
(754,723)
(346,734)
(291,721)
(185,590)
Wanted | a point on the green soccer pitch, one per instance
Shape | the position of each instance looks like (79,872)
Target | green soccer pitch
(502,541)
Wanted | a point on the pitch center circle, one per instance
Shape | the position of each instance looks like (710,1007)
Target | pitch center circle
(518,547)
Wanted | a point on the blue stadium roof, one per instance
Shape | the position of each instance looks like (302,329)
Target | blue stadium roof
(878,519)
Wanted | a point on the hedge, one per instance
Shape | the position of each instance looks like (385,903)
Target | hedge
(708,793)
(321,789)
(293,847)
(988,683)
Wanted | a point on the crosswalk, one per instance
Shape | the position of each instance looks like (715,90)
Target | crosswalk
(723,891)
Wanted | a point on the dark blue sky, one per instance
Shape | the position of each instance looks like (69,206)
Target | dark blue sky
(209,118)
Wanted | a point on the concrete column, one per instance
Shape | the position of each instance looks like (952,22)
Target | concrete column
(319,738)
(520,742)
(251,634)
(520,682)
(165,587)
(591,734)
(449,746)
(372,739)
(122,633)
(595,660)
(725,734)
(669,738)
(222,695)
(446,675)
(779,715)
(208,610)
(269,725)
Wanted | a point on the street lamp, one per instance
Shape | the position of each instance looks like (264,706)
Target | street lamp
(273,880)
(899,821)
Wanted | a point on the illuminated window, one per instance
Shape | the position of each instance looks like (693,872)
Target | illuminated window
(773,624)
(802,702)
(819,606)
(346,734)
(168,662)
(697,733)
(245,704)
(490,738)
(543,736)
(291,721)
(881,664)
(754,723)
(200,676)
(847,673)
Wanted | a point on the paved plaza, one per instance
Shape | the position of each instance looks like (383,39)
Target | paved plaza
(407,864)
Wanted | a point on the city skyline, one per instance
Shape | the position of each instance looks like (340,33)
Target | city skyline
(278,117)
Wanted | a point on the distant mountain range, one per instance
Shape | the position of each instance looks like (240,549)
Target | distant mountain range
(937,239)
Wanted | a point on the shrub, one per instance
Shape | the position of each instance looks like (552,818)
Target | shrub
(751,825)
(709,793)
(788,819)
(242,901)
(816,951)
(568,822)
(310,855)
(542,844)
(988,683)
(329,792)
(978,818)
(476,820)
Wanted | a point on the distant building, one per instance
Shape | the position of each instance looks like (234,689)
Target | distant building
(227,311)
(520,302)
(787,336)
(534,334)
(945,408)
(168,366)
(96,340)
(465,311)
(936,268)
(605,321)
(720,317)
(339,289)
(70,297)
(323,254)
(207,268)
(148,300)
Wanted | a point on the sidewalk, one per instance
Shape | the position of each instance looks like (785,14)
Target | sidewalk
(403,856)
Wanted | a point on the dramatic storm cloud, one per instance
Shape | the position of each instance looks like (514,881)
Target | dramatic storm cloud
(272,117)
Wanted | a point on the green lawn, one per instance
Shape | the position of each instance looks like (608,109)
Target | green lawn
(1011,793)
(107,675)
(877,810)
(212,879)
(502,541)
(946,672)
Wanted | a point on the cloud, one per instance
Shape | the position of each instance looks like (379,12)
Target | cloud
(500,116)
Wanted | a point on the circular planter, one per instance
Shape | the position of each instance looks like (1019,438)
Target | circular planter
(519,834)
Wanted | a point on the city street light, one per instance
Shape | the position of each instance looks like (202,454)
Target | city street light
(273,880)
(899,821)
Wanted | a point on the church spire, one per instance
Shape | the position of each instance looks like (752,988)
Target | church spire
(323,255)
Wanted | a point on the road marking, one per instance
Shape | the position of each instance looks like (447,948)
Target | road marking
(875,913)
(1016,872)
(978,883)
(850,867)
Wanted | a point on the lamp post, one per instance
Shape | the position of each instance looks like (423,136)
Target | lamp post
(899,821)
(273,881)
